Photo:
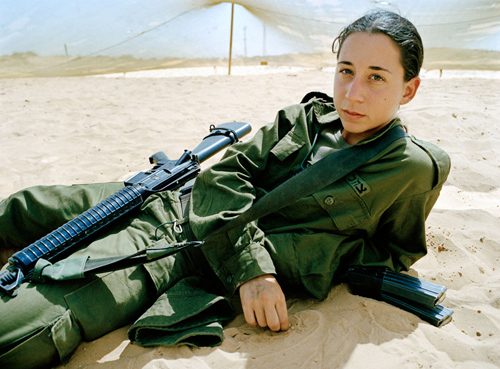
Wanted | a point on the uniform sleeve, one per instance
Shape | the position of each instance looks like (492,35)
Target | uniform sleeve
(401,232)
(226,190)
(404,222)
(400,236)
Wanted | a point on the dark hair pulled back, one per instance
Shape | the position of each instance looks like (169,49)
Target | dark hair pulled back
(398,28)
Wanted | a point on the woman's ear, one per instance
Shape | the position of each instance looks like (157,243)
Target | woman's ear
(410,91)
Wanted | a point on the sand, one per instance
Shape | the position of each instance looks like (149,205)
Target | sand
(91,129)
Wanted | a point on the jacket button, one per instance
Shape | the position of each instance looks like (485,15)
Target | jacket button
(329,200)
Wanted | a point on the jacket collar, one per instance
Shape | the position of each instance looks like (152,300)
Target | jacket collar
(326,113)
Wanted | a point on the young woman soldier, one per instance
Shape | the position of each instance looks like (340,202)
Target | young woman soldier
(374,216)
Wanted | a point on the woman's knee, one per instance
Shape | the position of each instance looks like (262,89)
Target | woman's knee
(36,328)
(48,321)
(46,347)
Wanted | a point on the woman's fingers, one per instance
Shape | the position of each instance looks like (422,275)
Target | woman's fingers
(282,312)
(264,303)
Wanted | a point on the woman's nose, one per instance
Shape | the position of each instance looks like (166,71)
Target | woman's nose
(355,90)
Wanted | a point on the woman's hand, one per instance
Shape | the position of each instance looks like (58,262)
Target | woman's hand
(264,303)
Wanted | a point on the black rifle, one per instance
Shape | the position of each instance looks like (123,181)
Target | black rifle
(165,175)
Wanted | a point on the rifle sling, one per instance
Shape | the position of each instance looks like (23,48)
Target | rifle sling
(312,179)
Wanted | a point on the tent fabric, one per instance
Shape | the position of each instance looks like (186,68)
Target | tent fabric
(58,37)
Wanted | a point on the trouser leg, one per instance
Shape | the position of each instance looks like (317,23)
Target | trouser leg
(47,321)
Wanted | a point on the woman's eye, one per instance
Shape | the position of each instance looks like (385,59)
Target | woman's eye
(346,71)
(377,78)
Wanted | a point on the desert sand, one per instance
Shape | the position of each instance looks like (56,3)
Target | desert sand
(103,128)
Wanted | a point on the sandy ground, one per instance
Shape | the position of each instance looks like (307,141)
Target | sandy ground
(91,129)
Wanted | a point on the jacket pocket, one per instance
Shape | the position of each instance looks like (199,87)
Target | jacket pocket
(344,204)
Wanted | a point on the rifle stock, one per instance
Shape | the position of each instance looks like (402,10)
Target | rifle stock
(165,175)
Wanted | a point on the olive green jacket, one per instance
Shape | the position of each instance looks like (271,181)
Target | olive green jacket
(374,216)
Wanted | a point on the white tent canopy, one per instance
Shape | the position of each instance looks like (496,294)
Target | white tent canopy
(61,37)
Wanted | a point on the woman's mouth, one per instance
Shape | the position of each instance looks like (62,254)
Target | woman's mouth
(352,114)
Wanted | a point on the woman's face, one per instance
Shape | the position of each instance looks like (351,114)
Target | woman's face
(369,84)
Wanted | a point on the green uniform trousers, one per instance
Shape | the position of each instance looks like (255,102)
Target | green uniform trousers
(45,323)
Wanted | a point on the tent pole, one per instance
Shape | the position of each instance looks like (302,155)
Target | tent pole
(231,39)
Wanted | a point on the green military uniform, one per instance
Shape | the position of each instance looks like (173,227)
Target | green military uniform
(372,217)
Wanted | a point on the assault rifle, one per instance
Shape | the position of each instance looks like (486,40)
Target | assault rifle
(165,175)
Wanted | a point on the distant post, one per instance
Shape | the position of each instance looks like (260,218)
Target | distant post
(231,39)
